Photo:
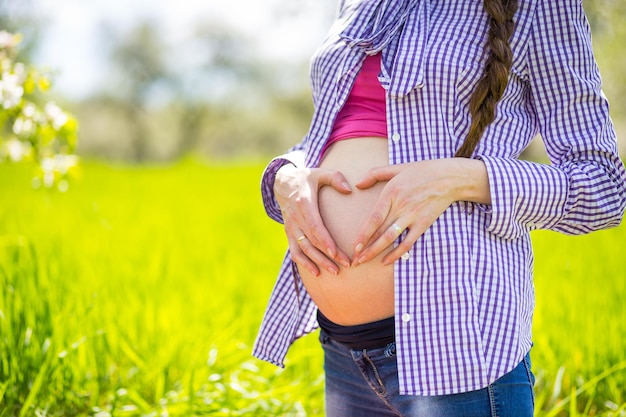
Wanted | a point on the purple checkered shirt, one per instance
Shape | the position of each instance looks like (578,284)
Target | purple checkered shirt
(464,298)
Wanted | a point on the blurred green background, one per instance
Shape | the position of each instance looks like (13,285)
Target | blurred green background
(139,289)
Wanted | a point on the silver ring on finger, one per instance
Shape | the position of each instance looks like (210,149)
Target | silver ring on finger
(396,228)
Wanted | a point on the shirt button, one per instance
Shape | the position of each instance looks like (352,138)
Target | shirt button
(395,137)
(406,317)
(405,256)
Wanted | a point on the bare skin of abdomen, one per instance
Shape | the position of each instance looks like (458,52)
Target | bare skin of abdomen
(364,293)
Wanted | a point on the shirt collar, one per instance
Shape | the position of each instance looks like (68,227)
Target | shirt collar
(373,27)
(375,23)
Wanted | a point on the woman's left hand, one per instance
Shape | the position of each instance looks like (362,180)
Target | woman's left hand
(415,195)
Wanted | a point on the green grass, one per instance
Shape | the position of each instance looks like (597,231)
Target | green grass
(580,321)
(139,292)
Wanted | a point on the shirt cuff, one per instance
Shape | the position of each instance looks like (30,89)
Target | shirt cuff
(524,196)
(267,182)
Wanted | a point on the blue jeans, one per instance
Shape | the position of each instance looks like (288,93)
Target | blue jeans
(365,383)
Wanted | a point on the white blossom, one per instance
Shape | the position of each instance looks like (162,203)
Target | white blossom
(29,110)
(19,70)
(58,164)
(57,117)
(63,163)
(11,90)
(16,149)
(25,119)
(5,64)
(63,186)
(23,127)
(8,40)
(48,181)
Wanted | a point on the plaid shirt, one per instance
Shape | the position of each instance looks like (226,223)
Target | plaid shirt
(464,296)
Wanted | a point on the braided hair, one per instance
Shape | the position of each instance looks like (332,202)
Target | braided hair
(491,86)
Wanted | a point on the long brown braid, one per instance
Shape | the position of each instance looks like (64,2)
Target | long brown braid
(490,88)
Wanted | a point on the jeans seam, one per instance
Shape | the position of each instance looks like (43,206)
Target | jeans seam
(382,394)
(383,389)
(530,380)
(492,401)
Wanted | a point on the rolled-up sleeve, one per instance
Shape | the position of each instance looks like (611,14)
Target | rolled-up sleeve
(584,188)
(296,157)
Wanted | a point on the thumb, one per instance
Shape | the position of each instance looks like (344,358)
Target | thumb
(376,175)
(336,180)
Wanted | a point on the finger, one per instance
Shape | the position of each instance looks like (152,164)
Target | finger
(385,240)
(313,228)
(311,224)
(403,247)
(304,214)
(379,232)
(315,256)
(376,175)
(302,260)
(415,230)
(336,180)
(371,226)
(301,211)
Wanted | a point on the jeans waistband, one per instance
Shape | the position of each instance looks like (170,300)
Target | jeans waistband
(361,336)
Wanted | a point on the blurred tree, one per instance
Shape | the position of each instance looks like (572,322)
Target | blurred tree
(189,77)
(138,68)
(212,66)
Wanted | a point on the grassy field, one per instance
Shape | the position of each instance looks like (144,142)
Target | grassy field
(139,291)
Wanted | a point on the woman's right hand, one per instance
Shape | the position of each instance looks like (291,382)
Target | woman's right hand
(310,244)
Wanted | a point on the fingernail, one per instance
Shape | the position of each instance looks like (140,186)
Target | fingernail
(359,247)
(344,263)
(345,184)
(331,252)
(333,270)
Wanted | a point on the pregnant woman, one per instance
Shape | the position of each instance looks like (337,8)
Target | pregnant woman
(408,212)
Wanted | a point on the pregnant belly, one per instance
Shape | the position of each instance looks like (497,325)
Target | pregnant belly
(364,293)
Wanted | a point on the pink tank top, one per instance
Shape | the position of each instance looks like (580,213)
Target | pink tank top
(364,113)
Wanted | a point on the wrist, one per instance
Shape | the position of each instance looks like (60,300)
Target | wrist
(283,175)
(472,181)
